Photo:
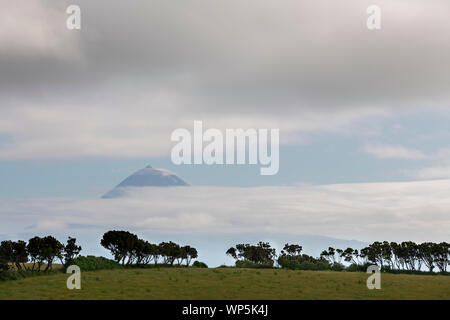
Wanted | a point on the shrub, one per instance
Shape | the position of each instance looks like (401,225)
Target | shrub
(4,270)
(199,264)
(337,266)
(358,267)
(90,263)
(262,253)
(4,266)
(317,265)
(303,262)
(22,274)
(249,264)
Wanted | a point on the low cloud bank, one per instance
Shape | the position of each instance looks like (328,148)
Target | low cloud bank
(417,211)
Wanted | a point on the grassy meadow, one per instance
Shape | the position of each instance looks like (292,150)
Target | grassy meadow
(226,283)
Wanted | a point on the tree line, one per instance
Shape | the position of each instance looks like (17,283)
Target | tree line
(389,256)
(125,247)
(406,255)
(37,252)
(128,249)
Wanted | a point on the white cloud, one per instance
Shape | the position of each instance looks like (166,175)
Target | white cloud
(139,129)
(394,211)
(441,169)
(442,172)
(386,151)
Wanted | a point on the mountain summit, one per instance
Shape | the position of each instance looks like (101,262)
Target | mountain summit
(147,177)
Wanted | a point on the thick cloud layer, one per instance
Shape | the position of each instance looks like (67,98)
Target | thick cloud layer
(137,70)
(389,211)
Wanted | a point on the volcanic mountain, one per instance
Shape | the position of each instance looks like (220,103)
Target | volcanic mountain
(147,177)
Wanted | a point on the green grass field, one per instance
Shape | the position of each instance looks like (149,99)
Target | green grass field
(226,283)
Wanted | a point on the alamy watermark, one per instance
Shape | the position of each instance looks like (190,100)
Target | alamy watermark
(374,281)
(74,280)
(374,19)
(229,148)
(73,22)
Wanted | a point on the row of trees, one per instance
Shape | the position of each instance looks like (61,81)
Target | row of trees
(262,253)
(388,255)
(128,249)
(37,252)
(406,255)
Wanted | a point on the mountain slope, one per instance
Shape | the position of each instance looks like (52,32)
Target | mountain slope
(147,177)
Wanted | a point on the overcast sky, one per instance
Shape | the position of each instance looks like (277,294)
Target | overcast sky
(80,110)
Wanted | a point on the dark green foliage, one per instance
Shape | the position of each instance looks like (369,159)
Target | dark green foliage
(122,245)
(129,250)
(334,255)
(337,266)
(291,258)
(42,250)
(22,274)
(199,264)
(317,265)
(169,252)
(358,267)
(250,264)
(70,252)
(34,248)
(3,266)
(15,253)
(442,254)
(188,253)
(262,254)
(4,269)
(51,249)
(91,263)
(408,256)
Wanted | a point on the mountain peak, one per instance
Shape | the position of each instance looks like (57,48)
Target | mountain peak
(146,177)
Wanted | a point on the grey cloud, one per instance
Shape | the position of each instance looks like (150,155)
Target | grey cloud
(301,66)
(257,54)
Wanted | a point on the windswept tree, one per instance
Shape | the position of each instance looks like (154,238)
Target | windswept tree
(189,253)
(399,254)
(292,250)
(14,252)
(170,251)
(408,255)
(144,252)
(232,253)
(330,255)
(291,257)
(121,244)
(428,253)
(350,255)
(442,256)
(35,247)
(70,251)
(379,253)
(51,249)
(155,252)
(262,253)
(3,266)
